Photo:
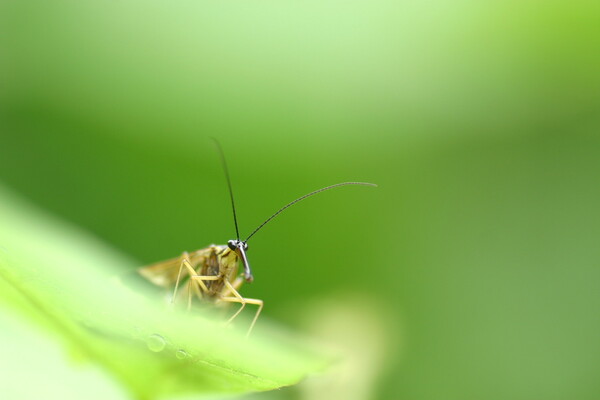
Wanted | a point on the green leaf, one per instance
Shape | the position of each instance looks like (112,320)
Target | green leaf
(69,283)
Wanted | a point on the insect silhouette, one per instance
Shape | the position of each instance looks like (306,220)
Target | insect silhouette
(211,273)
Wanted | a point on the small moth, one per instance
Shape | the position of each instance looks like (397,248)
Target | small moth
(211,273)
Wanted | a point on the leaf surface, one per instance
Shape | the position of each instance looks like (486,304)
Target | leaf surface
(68,282)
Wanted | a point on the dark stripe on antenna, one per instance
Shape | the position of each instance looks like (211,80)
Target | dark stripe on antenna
(305,196)
(222,154)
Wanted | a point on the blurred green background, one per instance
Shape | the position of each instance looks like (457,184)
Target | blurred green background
(479,121)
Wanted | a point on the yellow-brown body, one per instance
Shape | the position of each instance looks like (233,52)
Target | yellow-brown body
(210,274)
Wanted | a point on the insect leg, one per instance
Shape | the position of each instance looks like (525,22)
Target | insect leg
(236,285)
(199,279)
(202,278)
(184,262)
(198,292)
(197,289)
(243,301)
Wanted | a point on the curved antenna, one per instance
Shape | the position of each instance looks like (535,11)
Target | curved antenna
(237,232)
(302,198)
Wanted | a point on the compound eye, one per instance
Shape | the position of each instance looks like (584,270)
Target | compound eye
(245,245)
(232,244)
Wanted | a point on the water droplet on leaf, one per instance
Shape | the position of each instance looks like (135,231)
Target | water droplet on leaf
(156,343)
(181,354)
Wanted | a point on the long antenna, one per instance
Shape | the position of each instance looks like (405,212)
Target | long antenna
(222,154)
(302,198)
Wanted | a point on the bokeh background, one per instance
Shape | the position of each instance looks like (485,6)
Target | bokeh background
(477,255)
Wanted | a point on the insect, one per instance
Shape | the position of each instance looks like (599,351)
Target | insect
(212,272)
